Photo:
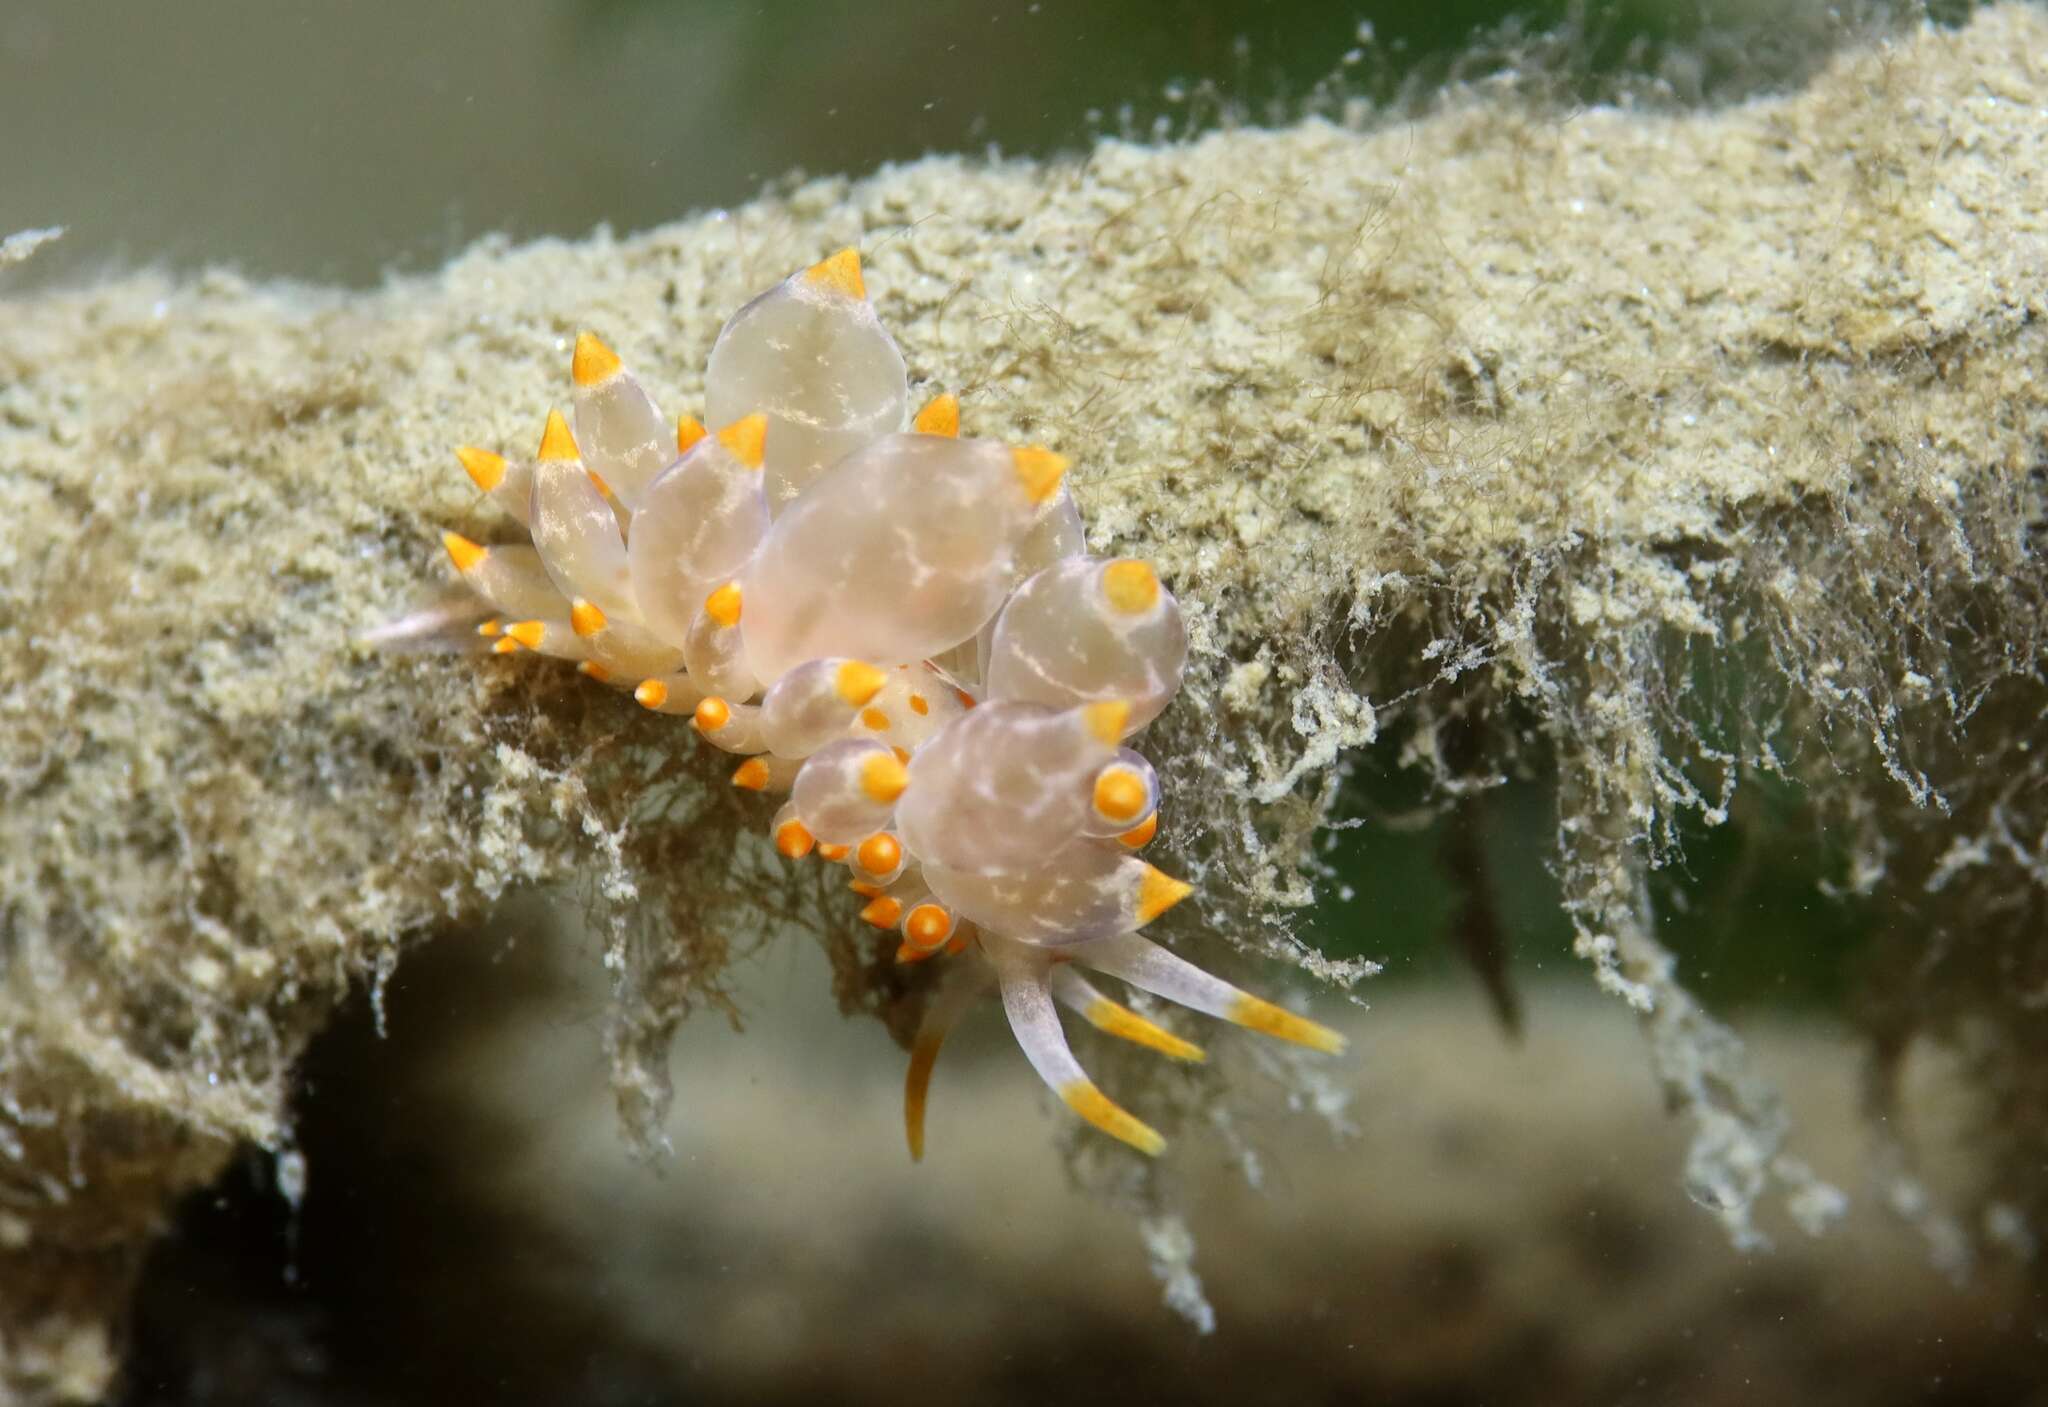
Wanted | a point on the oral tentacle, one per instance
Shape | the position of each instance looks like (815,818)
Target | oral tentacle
(1024,974)
(1151,968)
(962,988)
(1075,992)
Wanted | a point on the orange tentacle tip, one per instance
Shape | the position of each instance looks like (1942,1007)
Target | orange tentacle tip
(883,777)
(834,853)
(712,714)
(1039,470)
(857,681)
(723,605)
(752,775)
(485,470)
(593,361)
(1158,892)
(880,853)
(840,273)
(1130,586)
(882,912)
(940,416)
(928,927)
(1120,794)
(650,693)
(1103,1112)
(466,555)
(586,619)
(1106,721)
(1142,833)
(747,438)
(689,430)
(557,445)
(793,841)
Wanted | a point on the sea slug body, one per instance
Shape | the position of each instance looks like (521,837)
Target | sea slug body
(898,628)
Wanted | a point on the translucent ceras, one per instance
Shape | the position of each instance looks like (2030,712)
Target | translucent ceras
(898,627)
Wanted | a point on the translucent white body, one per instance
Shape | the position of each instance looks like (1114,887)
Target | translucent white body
(816,703)
(701,520)
(515,583)
(577,535)
(914,704)
(943,677)
(837,796)
(1084,890)
(625,439)
(1062,640)
(903,550)
(1001,789)
(632,652)
(1110,810)
(819,364)
(716,659)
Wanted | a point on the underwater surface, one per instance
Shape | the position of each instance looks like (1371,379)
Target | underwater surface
(1484,1200)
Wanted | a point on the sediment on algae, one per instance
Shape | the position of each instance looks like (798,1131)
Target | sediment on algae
(1644,451)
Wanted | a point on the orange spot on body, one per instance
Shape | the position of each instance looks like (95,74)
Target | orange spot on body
(876,719)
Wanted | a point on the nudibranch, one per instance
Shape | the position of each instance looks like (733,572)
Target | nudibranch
(900,629)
